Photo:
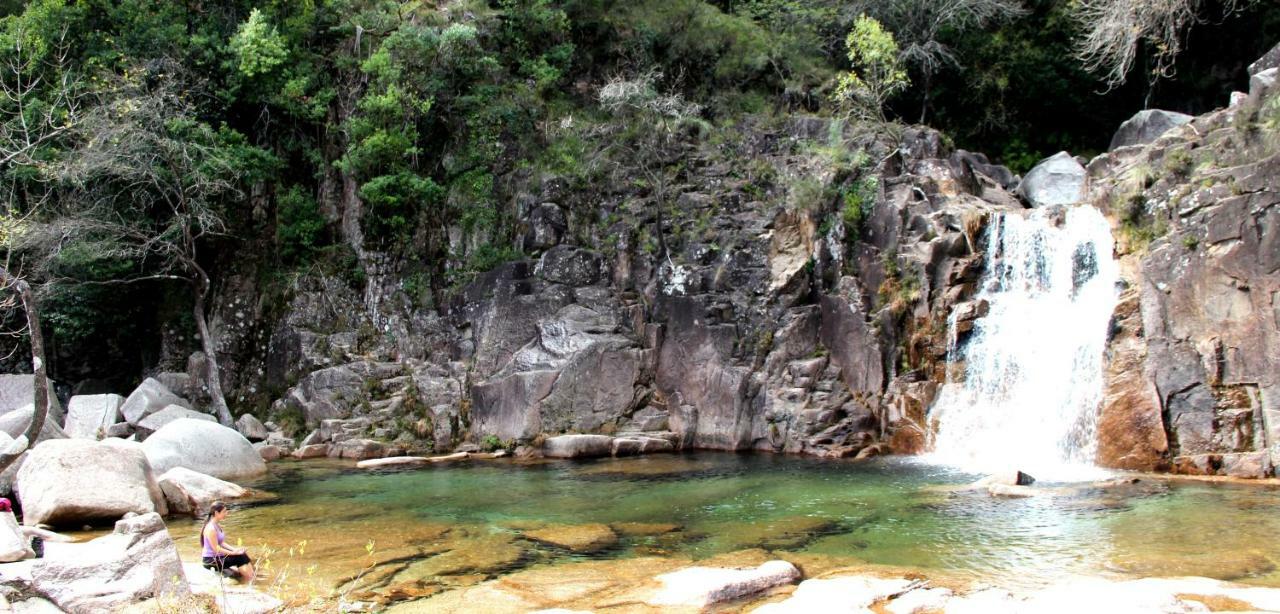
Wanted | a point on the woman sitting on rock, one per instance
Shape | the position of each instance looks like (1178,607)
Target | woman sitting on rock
(230,562)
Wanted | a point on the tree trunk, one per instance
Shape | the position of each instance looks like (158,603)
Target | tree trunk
(40,396)
(213,375)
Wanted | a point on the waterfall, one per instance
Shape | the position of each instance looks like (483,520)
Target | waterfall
(1033,365)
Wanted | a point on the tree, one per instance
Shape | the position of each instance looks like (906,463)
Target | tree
(918,26)
(662,113)
(39,103)
(1114,32)
(876,74)
(149,183)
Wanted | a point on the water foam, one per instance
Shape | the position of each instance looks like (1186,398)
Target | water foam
(1033,366)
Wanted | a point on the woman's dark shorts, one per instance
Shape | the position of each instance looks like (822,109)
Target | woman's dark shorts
(224,562)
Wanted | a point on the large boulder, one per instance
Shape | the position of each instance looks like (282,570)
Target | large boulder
(1057,180)
(14,544)
(158,420)
(251,428)
(90,415)
(1146,126)
(15,425)
(1269,60)
(578,446)
(18,391)
(137,561)
(204,446)
(192,492)
(73,481)
(148,398)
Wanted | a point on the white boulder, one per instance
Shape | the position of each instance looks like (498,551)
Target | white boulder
(76,481)
(14,544)
(148,398)
(231,597)
(138,561)
(700,587)
(156,421)
(1057,180)
(251,428)
(192,492)
(16,422)
(578,446)
(90,415)
(18,391)
(852,593)
(204,446)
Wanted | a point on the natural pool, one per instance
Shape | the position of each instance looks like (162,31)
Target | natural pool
(438,527)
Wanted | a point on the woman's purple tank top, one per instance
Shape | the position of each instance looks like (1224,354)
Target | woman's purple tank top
(209,552)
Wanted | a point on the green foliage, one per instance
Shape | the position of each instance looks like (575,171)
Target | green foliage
(392,204)
(258,46)
(491,443)
(877,72)
(299,226)
(488,257)
(857,201)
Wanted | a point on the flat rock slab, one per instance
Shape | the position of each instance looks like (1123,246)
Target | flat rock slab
(230,596)
(703,586)
(577,538)
(853,593)
(578,446)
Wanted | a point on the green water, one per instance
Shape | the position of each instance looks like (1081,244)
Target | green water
(894,511)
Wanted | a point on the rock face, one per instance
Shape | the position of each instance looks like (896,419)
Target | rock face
(148,398)
(136,562)
(1057,180)
(1195,352)
(203,446)
(77,481)
(1146,126)
(192,492)
(90,416)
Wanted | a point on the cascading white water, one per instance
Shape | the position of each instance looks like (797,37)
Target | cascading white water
(1034,364)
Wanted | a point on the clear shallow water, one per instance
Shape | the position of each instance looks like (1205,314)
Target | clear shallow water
(446,526)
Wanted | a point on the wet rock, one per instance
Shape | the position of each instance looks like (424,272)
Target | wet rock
(700,587)
(207,447)
(1146,126)
(192,492)
(1057,180)
(853,593)
(1247,465)
(788,533)
(578,446)
(469,554)
(635,529)
(1012,492)
(1131,433)
(576,538)
(1010,478)
(251,428)
(137,561)
(74,481)
(148,398)
(90,416)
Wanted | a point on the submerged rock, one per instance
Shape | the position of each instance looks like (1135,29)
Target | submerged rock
(703,586)
(576,538)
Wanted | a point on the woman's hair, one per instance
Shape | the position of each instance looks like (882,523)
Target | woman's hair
(217,507)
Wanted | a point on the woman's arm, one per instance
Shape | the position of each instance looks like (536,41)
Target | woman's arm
(219,548)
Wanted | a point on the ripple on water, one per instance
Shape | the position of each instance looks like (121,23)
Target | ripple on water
(439,528)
